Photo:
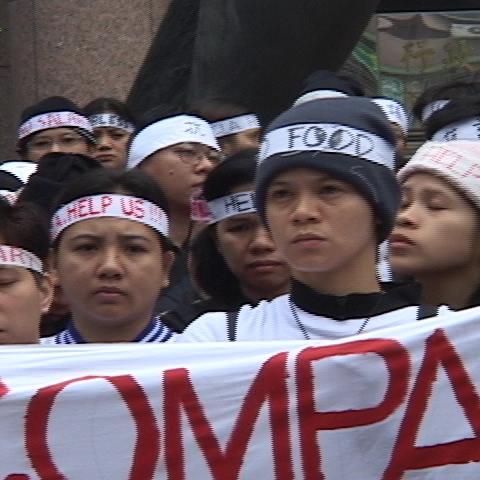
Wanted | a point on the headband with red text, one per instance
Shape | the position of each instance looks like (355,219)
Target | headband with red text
(49,120)
(231,205)
(109,205)
(111,120)
(18,257)
(234,125)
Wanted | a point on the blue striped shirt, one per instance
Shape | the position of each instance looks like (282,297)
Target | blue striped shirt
(154,332)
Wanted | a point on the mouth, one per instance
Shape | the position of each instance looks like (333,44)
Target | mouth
(109,292)
(264,265)
(308,238)
(105,158)
(398,240)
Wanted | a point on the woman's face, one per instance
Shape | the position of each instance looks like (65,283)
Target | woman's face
(251,255)
(62,140)
(111,271)
(111,148)
(436,229)
(23,299)
(319,223)
(181,170)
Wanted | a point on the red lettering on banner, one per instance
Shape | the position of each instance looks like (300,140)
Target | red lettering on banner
(132,207)
(3,389)
(268,386)
(17,476)
(406,456)
(147,447)
(397,361)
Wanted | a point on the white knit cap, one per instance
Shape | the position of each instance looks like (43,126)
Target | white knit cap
(457,162)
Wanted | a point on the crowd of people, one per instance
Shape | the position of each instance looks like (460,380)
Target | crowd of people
(200,224)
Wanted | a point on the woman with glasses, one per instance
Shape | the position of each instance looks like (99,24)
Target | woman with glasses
(113,125)
(178,152)
(54,125)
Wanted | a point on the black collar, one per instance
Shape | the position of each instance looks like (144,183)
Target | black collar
(356,305)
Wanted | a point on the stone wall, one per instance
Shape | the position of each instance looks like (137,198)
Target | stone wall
(80,49)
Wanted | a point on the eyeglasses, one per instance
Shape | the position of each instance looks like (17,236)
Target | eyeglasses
(45,144)
(193,156)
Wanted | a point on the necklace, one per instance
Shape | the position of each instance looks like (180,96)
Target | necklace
(302,328)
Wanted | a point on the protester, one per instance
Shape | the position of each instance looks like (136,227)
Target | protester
(235,127)
(234,260)
(325,188)
(438,96)
(399,120)
(178,152)
(112,255)
(436,239)
(113,125)
(459,119)
(25,288)
(54,124)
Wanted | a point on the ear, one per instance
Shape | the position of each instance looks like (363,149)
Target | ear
(168,257)
(46,287)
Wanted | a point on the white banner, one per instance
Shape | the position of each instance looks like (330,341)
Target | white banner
(400,403)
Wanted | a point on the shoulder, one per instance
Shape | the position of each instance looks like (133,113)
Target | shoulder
(251,323)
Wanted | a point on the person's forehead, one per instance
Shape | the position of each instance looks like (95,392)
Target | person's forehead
(54,132)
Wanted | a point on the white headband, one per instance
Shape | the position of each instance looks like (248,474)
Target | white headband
(319,95)
(111,120)
(22,170)
(168,132)
(394,111)
(462,130)
(45,121)
(431,108)
(18,257)
(235,125)
(328,138)
(231,205)
(109,205)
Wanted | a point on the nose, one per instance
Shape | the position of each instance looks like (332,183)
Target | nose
(408,216)
(55,147)
(205,165)
(103,142)
(305,209)
(110,263)
(261,242)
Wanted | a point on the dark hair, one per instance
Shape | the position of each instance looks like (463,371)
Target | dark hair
(232,172)
(158,113)
(9,181)
(209,270)
(457,109)
(446,91)
(106,180)
(217,109)
(24,225)
(107,105)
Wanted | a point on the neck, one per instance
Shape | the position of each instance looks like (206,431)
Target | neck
(180,225)
(96,332)
(358,276)
(450,288)
(256,295)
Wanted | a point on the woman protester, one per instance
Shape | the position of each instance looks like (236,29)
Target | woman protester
(326,190)
(113,125)
(112,256)
(178,151)
(25,288)
(234,260)
(436,239)
(54,124)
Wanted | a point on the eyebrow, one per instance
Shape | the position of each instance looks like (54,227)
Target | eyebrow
(316,178)
(123,236)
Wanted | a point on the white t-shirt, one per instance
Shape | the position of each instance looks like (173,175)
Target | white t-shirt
(274,320)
